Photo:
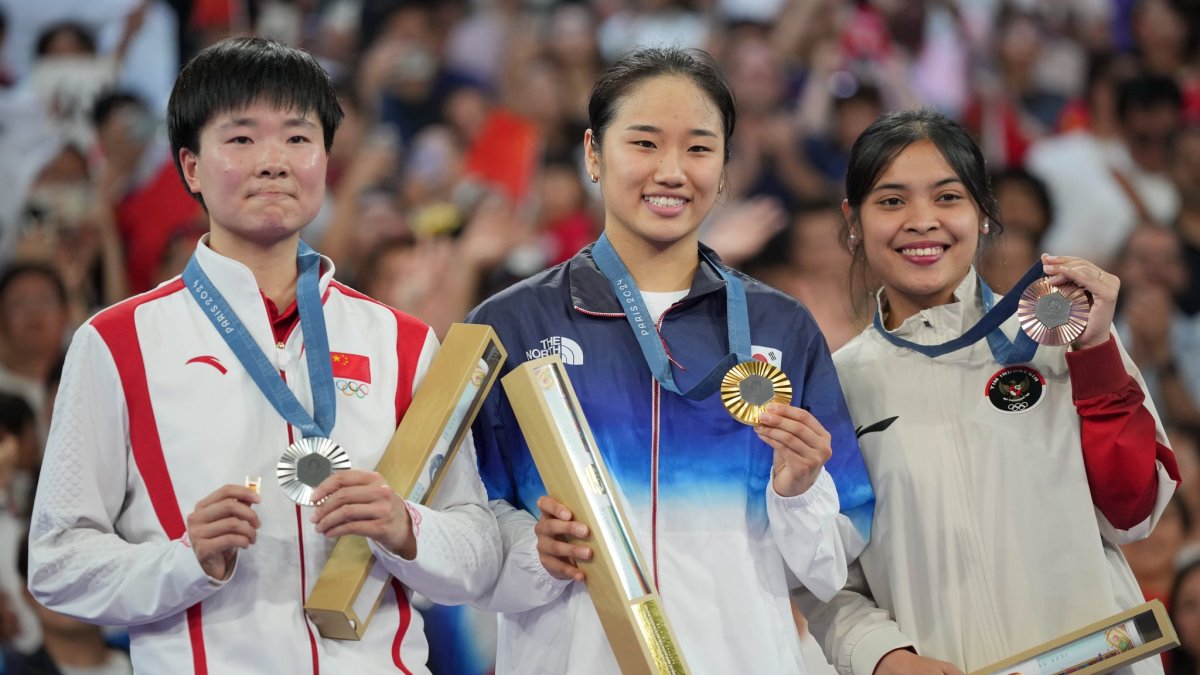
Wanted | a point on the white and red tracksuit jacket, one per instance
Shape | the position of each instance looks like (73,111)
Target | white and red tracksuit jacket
(1002,494)
(155,412)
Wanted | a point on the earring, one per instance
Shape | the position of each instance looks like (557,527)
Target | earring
(594,177)
(721,187)
(852,237)
(986,226)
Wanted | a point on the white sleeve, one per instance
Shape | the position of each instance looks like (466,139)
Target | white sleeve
(524,584)
(853,632)
(458,545)
(79,564)
(805,528)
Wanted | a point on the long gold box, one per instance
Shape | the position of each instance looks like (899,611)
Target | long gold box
(1102,647)
(352,582)
(574,473)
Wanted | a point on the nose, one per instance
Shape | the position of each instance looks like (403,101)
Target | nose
(670,170)
(272,161)
(924,218)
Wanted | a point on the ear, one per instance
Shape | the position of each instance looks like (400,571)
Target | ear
(187,163)
(846,212)
(591,157)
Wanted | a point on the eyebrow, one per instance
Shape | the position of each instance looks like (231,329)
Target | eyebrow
(251,122)
(651,129)
(902,186)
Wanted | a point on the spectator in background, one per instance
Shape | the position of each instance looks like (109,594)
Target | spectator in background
(808,262)
(1185,169)
(1158,337)
(1185,441)
(1153,559)
(33,328)
(138,187)
(1027,212)
(1184,606)
(1010,108)
(1166,34)
(19,458)
(1101,190)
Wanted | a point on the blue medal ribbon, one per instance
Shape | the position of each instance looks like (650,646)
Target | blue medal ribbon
(626,290)
(316,344)
(1005,351)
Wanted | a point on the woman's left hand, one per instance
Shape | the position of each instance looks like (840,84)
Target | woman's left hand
(802,446)
(1102,285)
(362,503)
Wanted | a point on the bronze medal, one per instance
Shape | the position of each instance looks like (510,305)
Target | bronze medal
(1053,315)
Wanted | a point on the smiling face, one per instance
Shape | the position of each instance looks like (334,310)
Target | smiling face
(919,228)
(261,171)
(659,162)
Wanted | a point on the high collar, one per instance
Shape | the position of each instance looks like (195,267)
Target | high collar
(943,322)
(591,291)
(237,284)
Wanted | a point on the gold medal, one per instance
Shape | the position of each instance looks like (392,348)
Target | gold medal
(749,386)
(1053,315)
(306,463)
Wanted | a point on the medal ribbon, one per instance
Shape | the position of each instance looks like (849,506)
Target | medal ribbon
(1005,351)
(264,374)
(626,290)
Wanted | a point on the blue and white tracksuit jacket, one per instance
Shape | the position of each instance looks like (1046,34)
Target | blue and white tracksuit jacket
(723,547)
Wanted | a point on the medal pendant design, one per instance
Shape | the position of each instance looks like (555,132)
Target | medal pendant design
(749,386)
(306,463)
(1053,315)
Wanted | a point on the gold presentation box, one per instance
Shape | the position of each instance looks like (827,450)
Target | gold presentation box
(575,474)
(352,582)
(1135,634)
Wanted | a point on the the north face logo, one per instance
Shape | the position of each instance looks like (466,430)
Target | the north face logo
(567,349)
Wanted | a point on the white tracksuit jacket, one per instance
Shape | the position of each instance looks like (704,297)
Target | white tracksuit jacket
(994,529)
(155,412)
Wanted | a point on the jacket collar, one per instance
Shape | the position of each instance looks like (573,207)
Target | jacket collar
(591,291)
(936,323)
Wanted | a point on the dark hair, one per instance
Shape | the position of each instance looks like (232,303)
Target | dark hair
(888,136)
(1182,661)
(1020,176)
(1147,91)
(20,269)
(111,101)
(82,32)
(238,72)
(615,82)
(16,415)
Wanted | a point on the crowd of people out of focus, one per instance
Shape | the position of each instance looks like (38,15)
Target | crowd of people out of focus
(458,171)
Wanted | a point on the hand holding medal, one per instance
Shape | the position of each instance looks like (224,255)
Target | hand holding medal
(1065,272)
(362,503)
(801,444)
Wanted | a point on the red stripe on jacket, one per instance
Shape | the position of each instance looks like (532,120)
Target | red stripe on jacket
(118,329)
(1118,435)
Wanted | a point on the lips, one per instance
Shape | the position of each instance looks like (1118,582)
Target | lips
(923,252)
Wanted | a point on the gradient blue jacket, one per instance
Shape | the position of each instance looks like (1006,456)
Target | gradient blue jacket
(722,546)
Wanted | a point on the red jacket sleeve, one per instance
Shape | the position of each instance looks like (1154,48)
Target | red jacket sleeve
(1118,435)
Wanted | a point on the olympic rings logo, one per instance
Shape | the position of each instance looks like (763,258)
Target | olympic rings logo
(1017,406)
(355,389)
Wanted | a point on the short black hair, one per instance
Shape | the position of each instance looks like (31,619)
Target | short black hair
(1147,91)
(16,415)
(238,72)
(615,83)
(110,101)
(20,269)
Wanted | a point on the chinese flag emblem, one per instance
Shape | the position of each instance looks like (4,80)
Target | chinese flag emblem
(351,366)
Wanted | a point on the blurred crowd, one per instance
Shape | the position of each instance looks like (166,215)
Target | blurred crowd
(458,171)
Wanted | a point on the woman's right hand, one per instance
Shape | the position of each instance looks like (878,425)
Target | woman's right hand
(555,530)
(906,662)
